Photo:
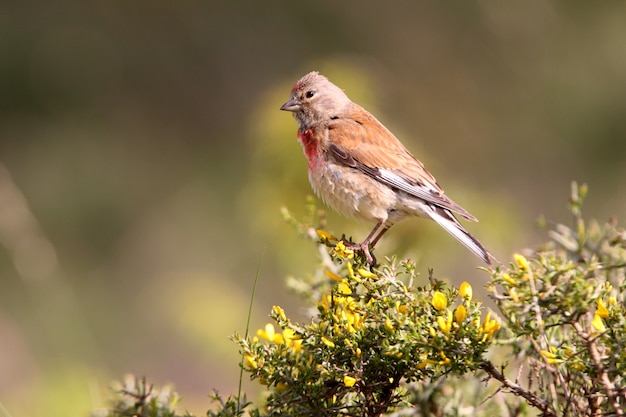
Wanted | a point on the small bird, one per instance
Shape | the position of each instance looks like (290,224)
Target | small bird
(360,169)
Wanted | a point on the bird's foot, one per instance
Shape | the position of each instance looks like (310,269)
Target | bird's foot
(363,248)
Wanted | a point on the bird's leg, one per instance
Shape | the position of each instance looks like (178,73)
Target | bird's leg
(365,245)
(377,238)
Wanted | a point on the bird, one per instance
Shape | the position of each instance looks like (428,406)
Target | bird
(361,170)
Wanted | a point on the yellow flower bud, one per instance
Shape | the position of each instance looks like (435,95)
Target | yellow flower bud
(366,274)
(439,301)
(459,314)
(388,324)
(506,277)
(466,290)
(521,261)
(443,324)
(327,342)
(324,235)
(351,272)
(487,317)
(550,357)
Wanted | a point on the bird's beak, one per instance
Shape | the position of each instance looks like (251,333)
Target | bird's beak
(291,105)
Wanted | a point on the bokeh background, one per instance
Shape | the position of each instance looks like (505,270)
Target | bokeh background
(144,162)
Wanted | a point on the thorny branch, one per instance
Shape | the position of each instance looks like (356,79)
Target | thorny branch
(517,389)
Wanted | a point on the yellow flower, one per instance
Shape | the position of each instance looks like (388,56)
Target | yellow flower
(466,290)
(330,274)
(327,342)
(489,326)
(597,323)
(344,289)
(425,361)
(390,352)
(439,301)
(250,362)
(350,304)
(487,318)
(277,310)
(366,274)
(459,314)
(388,324)
(297,346)
(432,331)
(351,272)
(324,304)
(350,328)
(521,261)
(355,319)
(281,387)
(289,335)
(401,308)
(445,324)
(550,357)
(268,333)
(444,359)
(348,381)
(292,340)
(325,235)
(602,311)
(509,280)
(341,251)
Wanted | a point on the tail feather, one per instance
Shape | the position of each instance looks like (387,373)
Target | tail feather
(446,219)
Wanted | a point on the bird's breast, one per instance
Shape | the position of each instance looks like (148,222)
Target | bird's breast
(310,145)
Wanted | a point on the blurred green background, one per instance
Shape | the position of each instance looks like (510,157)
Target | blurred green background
(144,162)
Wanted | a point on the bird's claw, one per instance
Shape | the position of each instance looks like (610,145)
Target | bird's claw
(363,248)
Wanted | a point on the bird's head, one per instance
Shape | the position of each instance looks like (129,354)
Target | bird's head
(314,100)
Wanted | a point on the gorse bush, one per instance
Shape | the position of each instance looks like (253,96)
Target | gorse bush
(372,333)
(564,315)
(379,344)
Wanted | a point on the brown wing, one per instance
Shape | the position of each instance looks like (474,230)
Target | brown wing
(359,140)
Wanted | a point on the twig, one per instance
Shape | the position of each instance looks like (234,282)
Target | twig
(608,385)
(518,390)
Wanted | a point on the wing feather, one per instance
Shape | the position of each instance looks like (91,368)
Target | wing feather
(360,141)
(446,220)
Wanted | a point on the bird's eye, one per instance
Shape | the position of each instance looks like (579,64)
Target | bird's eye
(309,94)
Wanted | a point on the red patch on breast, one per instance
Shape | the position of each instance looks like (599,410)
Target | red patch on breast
(310,146)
